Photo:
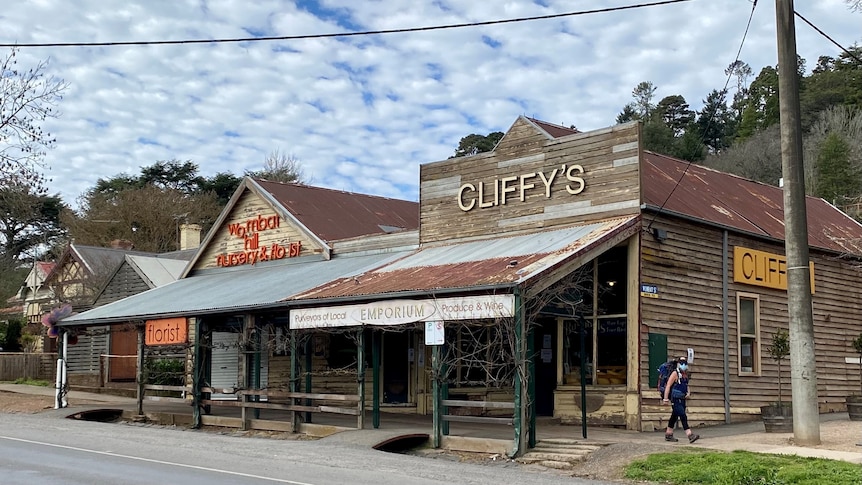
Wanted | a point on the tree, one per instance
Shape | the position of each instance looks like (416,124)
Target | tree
(473,144)
(172,174)
(29,221)
(757,157)
(689,146)
(715,123)
(148,209)
(280,167)
(643,95)
(27,98)
(837,178)
(149,217)
(779,349)
(845,123)
(223,185)
(761,107)
(627,114)
(675,113)
(741,71)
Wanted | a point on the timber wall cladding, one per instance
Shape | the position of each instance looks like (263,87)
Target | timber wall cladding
(249,207)
(686,267)
(610,161)
(125,282)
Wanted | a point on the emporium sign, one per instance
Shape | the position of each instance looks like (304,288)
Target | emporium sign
(252,252)
(760,268)
(398,312)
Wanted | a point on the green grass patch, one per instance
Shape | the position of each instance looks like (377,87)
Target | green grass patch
(742,468)
(32,382)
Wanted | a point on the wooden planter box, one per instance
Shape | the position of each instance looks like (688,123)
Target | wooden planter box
(777,419)
(854,408)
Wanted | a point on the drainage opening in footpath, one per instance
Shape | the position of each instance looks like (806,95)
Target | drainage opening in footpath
(403,444)
(98,415)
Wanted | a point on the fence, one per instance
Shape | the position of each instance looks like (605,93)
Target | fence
(323,403)
(15,365)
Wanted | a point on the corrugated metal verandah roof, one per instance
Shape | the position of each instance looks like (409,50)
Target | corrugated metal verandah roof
(737,203)
(232,290)
(501,262)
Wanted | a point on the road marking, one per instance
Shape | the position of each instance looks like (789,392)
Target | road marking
(160,462)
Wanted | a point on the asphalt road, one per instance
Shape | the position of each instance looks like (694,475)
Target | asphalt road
(45,449)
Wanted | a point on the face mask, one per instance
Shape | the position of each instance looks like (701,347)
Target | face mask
(683,367)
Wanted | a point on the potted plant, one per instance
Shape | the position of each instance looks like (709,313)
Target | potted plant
(854,401)
(778,416)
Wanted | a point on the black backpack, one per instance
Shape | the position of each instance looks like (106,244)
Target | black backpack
(664,372)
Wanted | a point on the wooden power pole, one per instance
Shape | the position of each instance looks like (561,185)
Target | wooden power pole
(806,413)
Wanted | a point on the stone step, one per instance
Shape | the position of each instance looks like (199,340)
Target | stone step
(534,456)
(559,465)
(565,449)
(568,441)
(573,446)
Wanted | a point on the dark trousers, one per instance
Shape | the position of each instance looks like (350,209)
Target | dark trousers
(678,406)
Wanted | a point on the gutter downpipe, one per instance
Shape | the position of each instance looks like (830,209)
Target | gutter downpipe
(725,324)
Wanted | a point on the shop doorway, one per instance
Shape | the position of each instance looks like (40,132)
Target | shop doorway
(123,362)
(396,367)
(225,364)
(545,359)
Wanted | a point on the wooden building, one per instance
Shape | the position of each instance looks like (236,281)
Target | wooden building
(557,237)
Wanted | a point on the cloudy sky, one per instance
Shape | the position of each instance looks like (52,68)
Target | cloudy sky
(362,113)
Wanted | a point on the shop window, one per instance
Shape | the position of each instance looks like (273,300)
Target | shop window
(342,351)
(483,357)
(610,282)
(748,329)
(572,351)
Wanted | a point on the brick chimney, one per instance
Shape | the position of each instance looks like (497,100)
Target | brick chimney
(124,244)
(190,236)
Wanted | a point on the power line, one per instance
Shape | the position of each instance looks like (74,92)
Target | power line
(712,116)
(346,34)
(852,55)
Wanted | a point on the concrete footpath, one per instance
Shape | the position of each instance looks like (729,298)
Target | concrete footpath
(841,439)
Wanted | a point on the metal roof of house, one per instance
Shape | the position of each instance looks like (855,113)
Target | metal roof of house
(233,289)
(737,203)
(156,271)
(334,214)
(99,260)
(498,262)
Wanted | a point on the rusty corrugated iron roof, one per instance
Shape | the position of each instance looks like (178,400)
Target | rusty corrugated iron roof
(503,261)
(334,214)
(554,130)
(742,204)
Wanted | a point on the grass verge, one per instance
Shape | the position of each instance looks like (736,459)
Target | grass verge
(32,382)
(742,468)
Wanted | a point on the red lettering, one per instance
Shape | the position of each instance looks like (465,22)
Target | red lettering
(295,249)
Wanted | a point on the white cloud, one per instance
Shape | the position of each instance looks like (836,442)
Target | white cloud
(361,113)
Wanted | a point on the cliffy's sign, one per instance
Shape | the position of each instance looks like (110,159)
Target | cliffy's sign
(252,251)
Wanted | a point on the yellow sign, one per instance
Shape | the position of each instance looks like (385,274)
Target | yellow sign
(760,268)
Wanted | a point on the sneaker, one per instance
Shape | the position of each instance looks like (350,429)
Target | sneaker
(669,437)
(693,438)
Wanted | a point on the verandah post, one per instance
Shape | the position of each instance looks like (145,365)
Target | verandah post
(360,376)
